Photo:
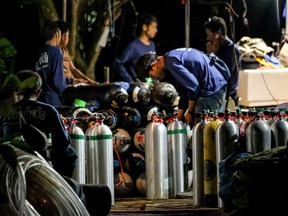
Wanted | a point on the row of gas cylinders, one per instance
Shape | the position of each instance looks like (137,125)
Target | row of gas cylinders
(164,172)
(216,137)
(119,94)
(124,105)
(162,146)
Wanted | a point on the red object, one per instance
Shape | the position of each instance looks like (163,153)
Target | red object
(183,2)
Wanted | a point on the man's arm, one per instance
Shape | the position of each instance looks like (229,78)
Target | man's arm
(79,75)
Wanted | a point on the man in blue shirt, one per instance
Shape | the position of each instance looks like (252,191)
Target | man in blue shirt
(45,118)
(201,86)
(50,66)
(222,46)
(125,63)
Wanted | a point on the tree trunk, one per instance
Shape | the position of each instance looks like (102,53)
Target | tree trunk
(74,24)
(102,34)
(47,11)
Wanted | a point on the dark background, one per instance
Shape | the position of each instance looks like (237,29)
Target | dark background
(20,25)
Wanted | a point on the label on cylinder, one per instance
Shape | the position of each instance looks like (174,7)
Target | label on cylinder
(135,94)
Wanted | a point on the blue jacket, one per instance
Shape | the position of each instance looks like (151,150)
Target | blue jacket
(193,75)
(43,116)
(125,63)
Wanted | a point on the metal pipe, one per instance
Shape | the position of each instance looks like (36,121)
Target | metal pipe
(187,23)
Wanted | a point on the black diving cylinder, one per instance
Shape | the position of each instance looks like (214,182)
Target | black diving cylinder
(227,135)
(107,95)
(280,130)
(198,161)
(258,135)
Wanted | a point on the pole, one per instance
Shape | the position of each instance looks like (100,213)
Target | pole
(187,23)
(64,10)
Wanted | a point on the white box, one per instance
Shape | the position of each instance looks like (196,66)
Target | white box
(263,87)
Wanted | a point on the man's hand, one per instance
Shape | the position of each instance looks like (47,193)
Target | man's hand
(189,119)
(210,47)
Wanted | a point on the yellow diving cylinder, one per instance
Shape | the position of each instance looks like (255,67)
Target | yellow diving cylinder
(210,168)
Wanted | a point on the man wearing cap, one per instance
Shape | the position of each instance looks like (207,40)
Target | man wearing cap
(201,86)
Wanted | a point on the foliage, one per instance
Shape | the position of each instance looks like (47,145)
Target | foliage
(8,80)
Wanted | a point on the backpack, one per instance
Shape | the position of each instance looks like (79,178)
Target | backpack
(219,65)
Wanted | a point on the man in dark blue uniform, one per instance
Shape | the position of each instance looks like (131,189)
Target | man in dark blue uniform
(50,66)
(29,114)
(201,86)
(221,45)
(45,118)
(125,63)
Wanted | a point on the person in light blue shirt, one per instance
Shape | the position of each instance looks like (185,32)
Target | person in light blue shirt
(200,85)
(124,64)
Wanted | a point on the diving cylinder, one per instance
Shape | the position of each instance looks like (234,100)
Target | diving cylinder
(129,117)
(141,184)
(78,143)
(121,140)
(197,160)
(177,159)
(134,163)
(139,139)
(209,157)
(272,117)
(280,130)
(164,94)
(242,130)
(258,135)
(124,184)
(139,93)
(112,94)
(99,156)
(239,118)
(227,135)
(156,160)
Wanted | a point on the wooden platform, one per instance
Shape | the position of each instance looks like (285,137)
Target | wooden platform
(142,206)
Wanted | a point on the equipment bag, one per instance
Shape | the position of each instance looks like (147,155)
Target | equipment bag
(254,182)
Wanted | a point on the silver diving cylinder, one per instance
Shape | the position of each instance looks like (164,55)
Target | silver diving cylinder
(198,160)
(258,135)
(156,160)
(78,143)
(280,130)
(177,158)
(99,155)
(227,135)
